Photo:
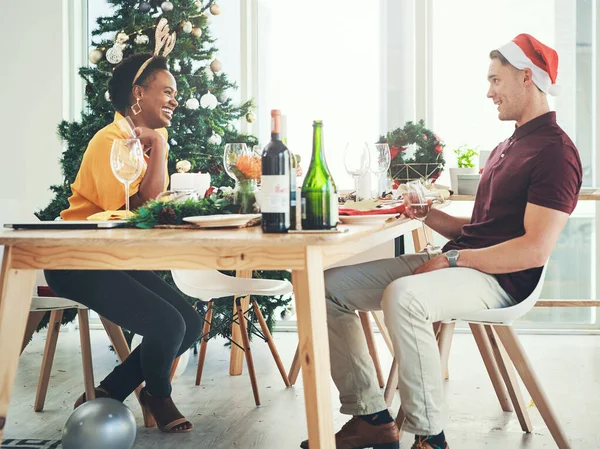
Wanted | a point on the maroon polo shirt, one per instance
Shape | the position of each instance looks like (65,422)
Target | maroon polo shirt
(538,164)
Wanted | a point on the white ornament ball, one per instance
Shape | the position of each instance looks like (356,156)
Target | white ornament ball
(122,38)
(222,97)
(216,66)
(209,74)
(107,95)
(215,9)
(142,39)
(198,4)
(176,66)
(230,127)
(95,56)
(197,32)
(166,6)
(114,55)
(208,101)
(215,139)
(187,27)
(250,117)
(183,166)
(192,104)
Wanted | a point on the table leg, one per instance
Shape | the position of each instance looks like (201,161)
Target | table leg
(309,292)
(236,360)
(16,287)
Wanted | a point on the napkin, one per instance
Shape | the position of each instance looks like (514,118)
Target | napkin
(108,215)
(381,211)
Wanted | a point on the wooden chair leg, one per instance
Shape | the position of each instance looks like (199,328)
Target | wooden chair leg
(32,323)
(485,349)
(117,339)
(446,333)
(248,353)
(204,342)
(400,419)
(525,369)
(86,353)
(510,379)
(271,343)
(174,368)
(295,368)
(368,331)
(392,384)
(49,350)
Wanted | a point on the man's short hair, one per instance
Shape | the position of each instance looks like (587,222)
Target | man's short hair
(495,54)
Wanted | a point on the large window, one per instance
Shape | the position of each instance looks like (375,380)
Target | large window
(321,60)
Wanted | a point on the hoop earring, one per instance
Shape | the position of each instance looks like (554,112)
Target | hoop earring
(136,108)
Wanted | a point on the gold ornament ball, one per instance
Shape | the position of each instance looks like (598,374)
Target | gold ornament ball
(122,38)
(250,117)
(216,66)
(198,4)
(215,9)
(197,32)
(183,166)
(95,56)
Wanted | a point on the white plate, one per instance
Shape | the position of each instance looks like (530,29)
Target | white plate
(366,219)
(221,221)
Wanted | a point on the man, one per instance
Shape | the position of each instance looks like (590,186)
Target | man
(528,189)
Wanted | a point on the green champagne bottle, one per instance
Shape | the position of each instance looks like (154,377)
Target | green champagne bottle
(319,194)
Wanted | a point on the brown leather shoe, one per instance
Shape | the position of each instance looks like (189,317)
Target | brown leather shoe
(359,434)
(423,445)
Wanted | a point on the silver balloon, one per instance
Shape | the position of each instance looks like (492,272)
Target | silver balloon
(100,424)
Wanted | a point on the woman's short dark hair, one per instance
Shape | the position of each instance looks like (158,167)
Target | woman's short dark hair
(121,83)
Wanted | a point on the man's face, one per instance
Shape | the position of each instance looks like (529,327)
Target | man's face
(507,90)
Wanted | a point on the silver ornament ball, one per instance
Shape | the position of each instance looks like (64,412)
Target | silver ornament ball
(100,424)
(187,27)
(222,97)
(166,6)
(145,7)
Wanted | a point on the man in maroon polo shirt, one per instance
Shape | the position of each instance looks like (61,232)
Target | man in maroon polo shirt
(494,259)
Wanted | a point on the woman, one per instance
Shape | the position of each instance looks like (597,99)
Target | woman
(136,300)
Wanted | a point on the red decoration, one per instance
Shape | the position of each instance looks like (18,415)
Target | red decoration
(438,149)
(210,191)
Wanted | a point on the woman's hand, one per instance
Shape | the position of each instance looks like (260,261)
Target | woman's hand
(150,138)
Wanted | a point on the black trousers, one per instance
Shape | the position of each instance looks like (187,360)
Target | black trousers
(142,302)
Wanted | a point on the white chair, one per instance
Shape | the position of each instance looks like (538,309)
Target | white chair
(502,352)
(207,285)
(40,305)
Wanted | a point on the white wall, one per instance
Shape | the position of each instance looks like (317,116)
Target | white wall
(31,88)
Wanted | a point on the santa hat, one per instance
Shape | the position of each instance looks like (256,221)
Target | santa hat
(526,52)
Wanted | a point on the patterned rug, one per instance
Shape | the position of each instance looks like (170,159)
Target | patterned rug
(31,444)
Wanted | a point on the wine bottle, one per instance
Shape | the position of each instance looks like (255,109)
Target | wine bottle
(275,181)
(319,194)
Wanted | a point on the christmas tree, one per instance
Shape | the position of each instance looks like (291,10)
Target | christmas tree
(202,124)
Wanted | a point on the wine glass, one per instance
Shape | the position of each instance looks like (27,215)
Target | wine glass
(357,161)
(380,163)
(230,156)
(126,161)
(420,202)
(127,126)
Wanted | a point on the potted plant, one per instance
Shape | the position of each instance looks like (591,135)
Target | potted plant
(465,157)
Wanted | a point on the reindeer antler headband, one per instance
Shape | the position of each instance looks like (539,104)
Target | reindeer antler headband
(163,39)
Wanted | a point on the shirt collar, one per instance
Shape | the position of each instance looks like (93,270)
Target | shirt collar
(545,119)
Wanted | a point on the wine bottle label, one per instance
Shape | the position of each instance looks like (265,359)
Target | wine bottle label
(275,194)
(335,213)
(303,207)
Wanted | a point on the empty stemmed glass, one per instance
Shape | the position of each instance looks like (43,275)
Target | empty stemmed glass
(126,161)
(420,200)
(380,163)
(357,161)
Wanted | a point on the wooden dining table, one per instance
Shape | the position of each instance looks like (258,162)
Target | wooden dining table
(246,249)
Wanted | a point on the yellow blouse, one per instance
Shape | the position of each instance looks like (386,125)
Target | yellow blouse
(95,188)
